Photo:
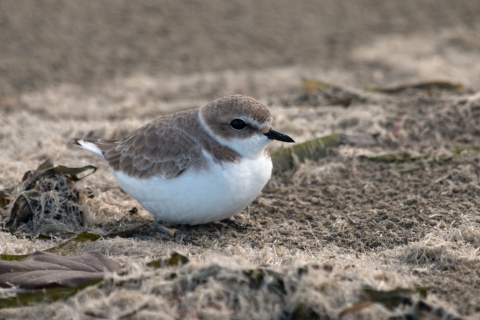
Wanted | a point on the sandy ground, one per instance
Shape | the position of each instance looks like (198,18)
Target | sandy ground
(69,68)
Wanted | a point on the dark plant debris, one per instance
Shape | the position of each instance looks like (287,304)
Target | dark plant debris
(45,202)
(398,297)
(45,277)
(427,85)
(175,259)
(286,158)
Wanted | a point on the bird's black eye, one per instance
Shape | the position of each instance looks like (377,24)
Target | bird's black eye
(238,124)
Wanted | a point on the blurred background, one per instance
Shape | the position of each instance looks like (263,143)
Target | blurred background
(368,42)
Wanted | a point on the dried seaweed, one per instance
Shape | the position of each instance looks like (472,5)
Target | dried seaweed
(393,298)
(397,297)
(46,201)
(175,259)
(72,241)
(45,277)
(427,85)
(81,237)
(286,158)
(395,157)
(23,297)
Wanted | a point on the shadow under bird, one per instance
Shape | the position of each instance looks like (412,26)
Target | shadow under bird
(195,166)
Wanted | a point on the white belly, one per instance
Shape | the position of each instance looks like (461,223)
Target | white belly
(201,196)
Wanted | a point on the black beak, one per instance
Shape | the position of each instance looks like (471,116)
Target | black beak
(275,135)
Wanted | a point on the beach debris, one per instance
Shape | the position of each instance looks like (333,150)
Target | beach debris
(45,202)
(286,158)
(46,277)
(425,85)
(175,259)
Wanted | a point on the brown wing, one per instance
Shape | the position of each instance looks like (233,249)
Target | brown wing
(159,147)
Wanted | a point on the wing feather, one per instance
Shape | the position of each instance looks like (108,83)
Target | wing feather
(160,147)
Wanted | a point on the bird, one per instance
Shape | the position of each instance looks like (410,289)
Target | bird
(195,166)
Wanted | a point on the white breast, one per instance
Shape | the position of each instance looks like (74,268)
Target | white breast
(201,196)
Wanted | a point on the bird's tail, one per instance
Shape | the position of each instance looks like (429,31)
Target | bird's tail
(96,146)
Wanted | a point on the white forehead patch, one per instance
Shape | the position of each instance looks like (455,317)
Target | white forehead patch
(257,125)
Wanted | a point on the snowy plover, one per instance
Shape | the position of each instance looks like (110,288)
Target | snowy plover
(195,166)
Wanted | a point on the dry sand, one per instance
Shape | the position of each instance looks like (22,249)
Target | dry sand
(71,68)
